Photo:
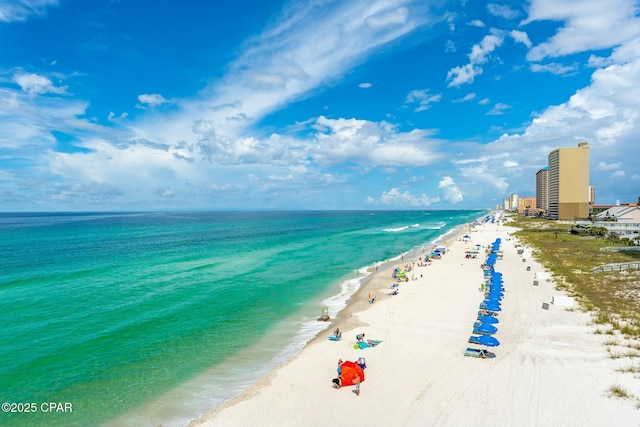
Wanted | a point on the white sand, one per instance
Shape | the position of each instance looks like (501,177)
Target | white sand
(550,369)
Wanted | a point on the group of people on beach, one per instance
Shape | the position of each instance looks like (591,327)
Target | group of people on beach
(356,380)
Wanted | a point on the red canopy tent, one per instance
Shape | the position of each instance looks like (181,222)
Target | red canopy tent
(349,371)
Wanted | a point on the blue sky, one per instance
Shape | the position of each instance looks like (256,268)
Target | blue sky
(238,104)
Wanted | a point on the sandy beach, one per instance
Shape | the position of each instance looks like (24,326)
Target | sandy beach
(550,368)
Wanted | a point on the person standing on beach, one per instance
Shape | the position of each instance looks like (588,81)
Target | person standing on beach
(356,383)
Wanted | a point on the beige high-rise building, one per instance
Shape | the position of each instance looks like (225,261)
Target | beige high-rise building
(542,189)
(568,176)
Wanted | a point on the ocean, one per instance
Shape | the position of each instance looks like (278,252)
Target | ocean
(149,318)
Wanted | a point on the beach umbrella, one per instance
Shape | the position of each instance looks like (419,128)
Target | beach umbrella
(491,303)
(487,319)
(491,306)
(485,328)
(489,341)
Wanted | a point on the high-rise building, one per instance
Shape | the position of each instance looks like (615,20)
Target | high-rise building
(542,189)
(568,179)
(526,202)
(513,202)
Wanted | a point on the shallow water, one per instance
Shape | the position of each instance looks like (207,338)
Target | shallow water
(148,318)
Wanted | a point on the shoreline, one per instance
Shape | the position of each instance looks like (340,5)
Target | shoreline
(347,316)
(440,392)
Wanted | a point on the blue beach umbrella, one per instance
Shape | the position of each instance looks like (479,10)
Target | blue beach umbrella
(491,307)
(488,319)
(485,328)
(489,341)
(490,304)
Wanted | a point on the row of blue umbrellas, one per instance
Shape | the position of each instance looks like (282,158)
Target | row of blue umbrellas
(485,326)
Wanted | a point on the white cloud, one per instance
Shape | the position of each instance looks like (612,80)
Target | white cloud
(609,166)
(481,51)
(370,144)
(449,46)
(388,16)
(35,84)
(553,68)
(422,98)
(589,25)
(498,109)
(152,100)
(462,74)
(113,118)
(450,192)
(484,101)
(468,97)
(365,85)
(395,197)
(502,11)
(478,56)
(521,37)
(595,61)
(477,23)
(21,10)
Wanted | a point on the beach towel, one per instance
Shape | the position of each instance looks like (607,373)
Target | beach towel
(369,343)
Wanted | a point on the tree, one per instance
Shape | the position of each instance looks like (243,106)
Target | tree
(614,237)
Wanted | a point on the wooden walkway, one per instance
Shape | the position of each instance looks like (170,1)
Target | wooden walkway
(617,267)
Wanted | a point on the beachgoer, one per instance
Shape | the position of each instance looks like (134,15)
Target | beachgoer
(339,367)
(360,337)
(361,362)
(337,333)
(356,383)
(336,382)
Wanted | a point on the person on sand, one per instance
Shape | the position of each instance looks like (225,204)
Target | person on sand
(339,367)
(356,383)
(360,337)
(337,333)
(336,382)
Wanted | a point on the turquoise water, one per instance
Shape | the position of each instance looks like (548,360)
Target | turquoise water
(149,318)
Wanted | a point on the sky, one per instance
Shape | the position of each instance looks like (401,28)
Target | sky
(313,104)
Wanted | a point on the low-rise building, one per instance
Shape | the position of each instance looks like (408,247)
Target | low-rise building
(622,220)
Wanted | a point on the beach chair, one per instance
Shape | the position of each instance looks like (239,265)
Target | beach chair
(335,337)
(475,352)
(474,340)
(477,332)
